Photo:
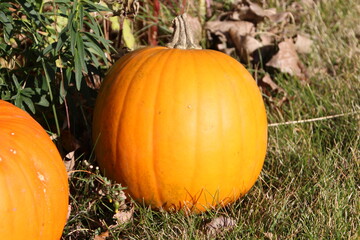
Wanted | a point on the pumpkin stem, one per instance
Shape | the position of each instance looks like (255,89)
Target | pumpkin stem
(182,37)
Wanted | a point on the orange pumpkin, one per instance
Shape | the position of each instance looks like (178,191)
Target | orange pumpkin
(33,180)
(180,127)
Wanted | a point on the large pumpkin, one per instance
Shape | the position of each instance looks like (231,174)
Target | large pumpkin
(33,180)
(180,127)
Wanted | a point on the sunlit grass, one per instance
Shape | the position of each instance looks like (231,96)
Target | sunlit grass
(309,187)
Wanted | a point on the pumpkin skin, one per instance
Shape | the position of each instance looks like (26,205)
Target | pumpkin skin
(180,128)
(33,180)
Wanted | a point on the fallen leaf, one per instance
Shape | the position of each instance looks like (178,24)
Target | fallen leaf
(220,42)
(248,11)
(244,45)
(241,27)
(226,35)
(252,12)
(102,236)
(287,61)
(218,225)
(303,44)
(280,17)
(124,214)
(69,162)
(266,38)
(267,81)
(263,54)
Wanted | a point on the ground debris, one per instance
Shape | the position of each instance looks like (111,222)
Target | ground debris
(265,39)
(219,225)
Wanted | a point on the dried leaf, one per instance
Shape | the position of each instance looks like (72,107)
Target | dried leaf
(268,81)
(102,236)
(259,11)
(241,27)
(263,54)
(249,11)
(279,17)
(218,225)
(244,45)
(93,80)
(132,7)
(287,60)
(266,38)
(69,162)
(218,32)
(303,44)
(124,214)
(220,42)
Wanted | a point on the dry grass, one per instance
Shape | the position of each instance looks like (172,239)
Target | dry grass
(309,187)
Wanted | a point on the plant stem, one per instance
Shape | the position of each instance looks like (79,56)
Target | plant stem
(47,77)
(182,37)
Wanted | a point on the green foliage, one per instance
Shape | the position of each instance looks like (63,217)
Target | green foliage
(46,48)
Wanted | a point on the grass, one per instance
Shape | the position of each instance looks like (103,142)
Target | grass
(310,184)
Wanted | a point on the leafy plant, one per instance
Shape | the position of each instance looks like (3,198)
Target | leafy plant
(48,48)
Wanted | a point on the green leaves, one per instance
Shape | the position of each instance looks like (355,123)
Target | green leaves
(52,46)
(6,21)
(87,48)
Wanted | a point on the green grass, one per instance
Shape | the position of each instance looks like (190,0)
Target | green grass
(310,184)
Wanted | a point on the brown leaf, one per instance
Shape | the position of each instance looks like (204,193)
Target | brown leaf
(219,224)
(69,162)
(93,80)
(279,17)
(221,43)
(281,94)
(287,61)
(241,27)
(244,45)
(124,215)
(102,236)
(303,44)
(239,33)
(269,82)
(248,11)
(266,38)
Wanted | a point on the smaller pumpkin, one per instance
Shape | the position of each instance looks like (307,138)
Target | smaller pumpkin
(34,188)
